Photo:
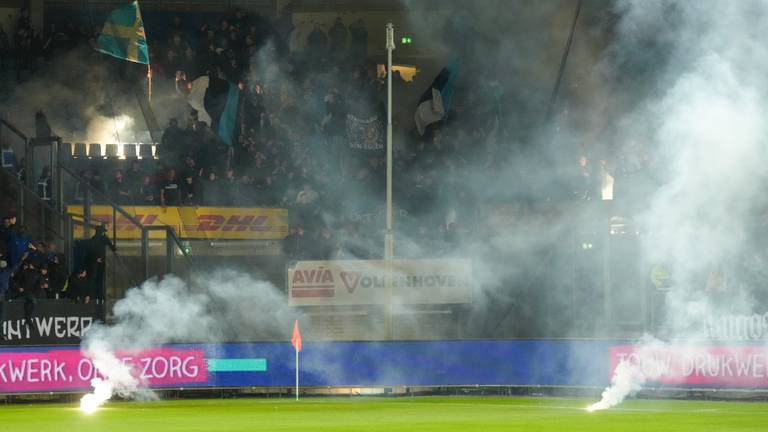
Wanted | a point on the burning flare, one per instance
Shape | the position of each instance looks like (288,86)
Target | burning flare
(630,375)
(102,392)
(117,378)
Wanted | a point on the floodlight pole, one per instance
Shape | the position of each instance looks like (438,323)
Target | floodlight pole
(389,241)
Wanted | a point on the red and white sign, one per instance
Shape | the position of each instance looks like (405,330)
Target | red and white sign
(429,281)
(728,366)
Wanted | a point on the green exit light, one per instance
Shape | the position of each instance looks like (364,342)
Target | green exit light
(406,40)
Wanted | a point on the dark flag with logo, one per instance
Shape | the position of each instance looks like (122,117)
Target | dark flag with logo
(365,133)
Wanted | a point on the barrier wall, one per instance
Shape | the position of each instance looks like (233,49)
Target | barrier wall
(438,363)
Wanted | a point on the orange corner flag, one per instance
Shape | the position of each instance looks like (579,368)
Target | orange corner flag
(296,339)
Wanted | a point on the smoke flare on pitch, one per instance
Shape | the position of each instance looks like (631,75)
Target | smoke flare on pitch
(223,305)
(631,374)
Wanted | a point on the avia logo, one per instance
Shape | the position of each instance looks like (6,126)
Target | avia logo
(350,279)
(318,276)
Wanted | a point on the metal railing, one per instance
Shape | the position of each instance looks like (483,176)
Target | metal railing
(172,239)
(49,218)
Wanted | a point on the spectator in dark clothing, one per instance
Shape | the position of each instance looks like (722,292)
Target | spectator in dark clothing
(57,268)
(97,181)
(44,284)
(148,192)
(5,234)
(120,191)
(337,35)
(27,289)
(317,44)
(79,287)
(19,244)
(190,191)
(133,176)
(96,256)
(213,191)
(170,191)
(294,244)
(170,149)
(359,40)
(191,168)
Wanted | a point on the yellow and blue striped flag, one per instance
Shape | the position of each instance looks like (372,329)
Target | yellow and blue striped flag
(123,35)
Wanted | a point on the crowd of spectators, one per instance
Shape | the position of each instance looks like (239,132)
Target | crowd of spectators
(32,270)
(291,147)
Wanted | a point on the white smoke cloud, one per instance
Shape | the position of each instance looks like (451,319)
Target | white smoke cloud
(709,136)
(224,305)
(630,375)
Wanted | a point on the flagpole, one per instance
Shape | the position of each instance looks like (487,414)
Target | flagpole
(297,375)
(389,246)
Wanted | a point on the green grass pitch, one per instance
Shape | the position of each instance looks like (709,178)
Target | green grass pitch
(463,414)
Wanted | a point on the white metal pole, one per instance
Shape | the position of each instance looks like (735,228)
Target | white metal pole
(297,374)
(389,240)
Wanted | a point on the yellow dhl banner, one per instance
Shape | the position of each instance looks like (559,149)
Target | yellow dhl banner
(232,223)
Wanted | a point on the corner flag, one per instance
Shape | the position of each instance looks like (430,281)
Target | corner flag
(123,35)
(296,342)
(296,339)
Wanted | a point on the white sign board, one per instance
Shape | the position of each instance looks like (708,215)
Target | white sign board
(427,281)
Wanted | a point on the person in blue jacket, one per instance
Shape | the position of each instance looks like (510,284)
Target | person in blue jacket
(19,243)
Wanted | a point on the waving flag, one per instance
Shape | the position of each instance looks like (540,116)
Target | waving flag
(123,35)
(436,101)
(216,102)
